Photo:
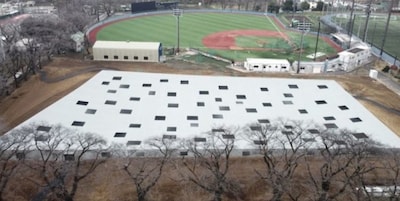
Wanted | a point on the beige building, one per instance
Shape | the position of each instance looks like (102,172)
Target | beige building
(127,51)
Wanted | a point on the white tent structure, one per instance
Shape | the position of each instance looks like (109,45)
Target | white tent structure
(130,107)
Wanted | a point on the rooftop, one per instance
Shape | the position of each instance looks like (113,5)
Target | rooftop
(129,107)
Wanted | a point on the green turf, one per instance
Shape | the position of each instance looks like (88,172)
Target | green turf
(194,27)
(375,31)
(260,42)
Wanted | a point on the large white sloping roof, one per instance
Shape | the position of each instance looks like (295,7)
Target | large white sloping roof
(126,45)
(131,106)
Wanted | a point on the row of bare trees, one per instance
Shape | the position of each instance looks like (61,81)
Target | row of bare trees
(300,162)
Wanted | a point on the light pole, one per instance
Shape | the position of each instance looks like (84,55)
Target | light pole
(386,27)
(301,47)
(177,13)
(316,44)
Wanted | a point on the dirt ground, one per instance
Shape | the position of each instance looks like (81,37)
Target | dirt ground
(63,75)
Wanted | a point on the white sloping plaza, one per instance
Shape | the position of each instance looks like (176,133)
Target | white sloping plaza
(128,107)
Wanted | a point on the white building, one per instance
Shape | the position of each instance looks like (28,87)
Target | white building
(270,65)
(354,57)
(127,51)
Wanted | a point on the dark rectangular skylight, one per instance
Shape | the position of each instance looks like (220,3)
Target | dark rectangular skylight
(159,118)
(303,111)
(251,110)
(263,121)
(117,78)
(171,94)
(43,128)
(91,111)
(134,125)
(203,92)
(267,104)
(124,86)
(320,102)
(259,142)
(200,104)
(184,81)
(287,102)
(78,123)
(134,98)
(313,131)
(218,99)
(241,96)
(331,125)
(288,95)
(360,135)
(120,134)
(163,80)
(125,111)
(200,139)
(195,118)
(105,83)
(228,136)
(329,118)
(152,93)
(173,105)
(264,89)
(355,119)
(217,116)
(322,86)
(171,129)
(343,107)
(170,137)
(112,91)
(133,142)
(293,86)
(224,108)
(82,102)
(110,102)
(146,85)
(223,87)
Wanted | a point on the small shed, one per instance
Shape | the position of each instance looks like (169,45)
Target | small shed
(127,51)
(268,65)
(78,38)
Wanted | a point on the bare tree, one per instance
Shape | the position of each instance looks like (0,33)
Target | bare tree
(146,171)
(62,158)
(282,144)
(209,166)
(391,165)
(12,151)
(339,165)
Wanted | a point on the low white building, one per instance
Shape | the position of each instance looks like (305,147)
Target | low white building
(354,57)
(127,51)
(270,65)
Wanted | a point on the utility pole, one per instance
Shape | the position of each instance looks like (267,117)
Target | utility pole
(316,45)
(301,48)
(177,13)
(349,26)
(387,26)
(351,31)
(367,12)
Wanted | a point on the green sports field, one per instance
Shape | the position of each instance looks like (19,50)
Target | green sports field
(376,29)
(195,26)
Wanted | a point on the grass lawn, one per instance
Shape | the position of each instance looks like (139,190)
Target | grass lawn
(195,26)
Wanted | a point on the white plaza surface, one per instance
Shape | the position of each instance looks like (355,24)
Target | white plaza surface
(130,106)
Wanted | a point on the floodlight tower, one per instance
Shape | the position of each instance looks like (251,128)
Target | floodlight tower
(177,13)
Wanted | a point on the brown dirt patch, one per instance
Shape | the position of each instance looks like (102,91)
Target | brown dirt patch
(226,39)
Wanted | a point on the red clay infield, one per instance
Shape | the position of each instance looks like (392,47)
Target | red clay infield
(226,39)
